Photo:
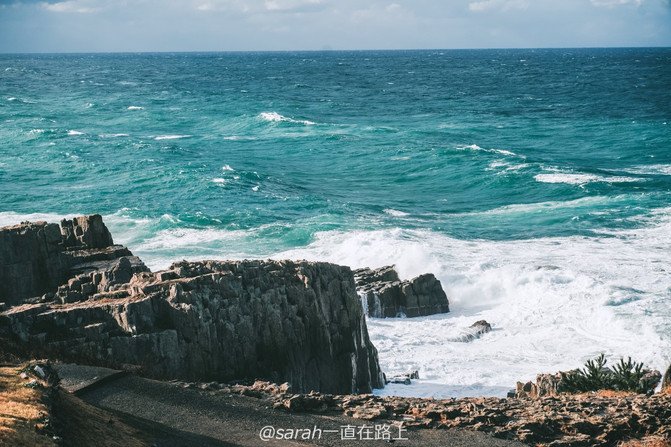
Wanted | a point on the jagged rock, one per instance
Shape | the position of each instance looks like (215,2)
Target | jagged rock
(299,322)
(473,332)
(86,231)
(404,379)
(545,385)
(37,258)
(100,277)
(383,294)
(564,420)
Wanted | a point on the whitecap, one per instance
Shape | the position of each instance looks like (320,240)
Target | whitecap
(276,118)
(475,147)
(135,108)
(395,213)
(659,169)
(219,180)
(255,188)
(581,179)
(74,133)
(113,135)
(239,138)
(227,168)
(504,166)
(11,98)
(171,137)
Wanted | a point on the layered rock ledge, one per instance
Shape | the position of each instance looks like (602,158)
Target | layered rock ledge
(384,294)
(36,258)
(300,322)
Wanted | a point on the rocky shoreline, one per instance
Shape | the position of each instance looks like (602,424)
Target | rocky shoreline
(570,420)
(68,293)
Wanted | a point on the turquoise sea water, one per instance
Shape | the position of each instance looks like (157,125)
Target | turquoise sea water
(535,183)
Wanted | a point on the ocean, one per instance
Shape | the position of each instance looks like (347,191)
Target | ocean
(535,184)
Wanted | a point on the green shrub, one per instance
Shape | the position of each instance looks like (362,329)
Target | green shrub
(595,375)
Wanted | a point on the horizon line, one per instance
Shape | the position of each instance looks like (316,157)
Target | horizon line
(328,50)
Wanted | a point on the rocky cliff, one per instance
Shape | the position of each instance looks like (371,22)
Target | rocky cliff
(384,294)
(299,322)
(37,258)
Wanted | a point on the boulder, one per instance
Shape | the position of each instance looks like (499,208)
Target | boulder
(296,322)
(473,332)
(36,258)
(384,295)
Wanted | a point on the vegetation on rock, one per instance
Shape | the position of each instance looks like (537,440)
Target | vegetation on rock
(623,376)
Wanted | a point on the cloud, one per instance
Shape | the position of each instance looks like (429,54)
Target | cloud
(77,6)
(294,6)
(613,3)
(499,5)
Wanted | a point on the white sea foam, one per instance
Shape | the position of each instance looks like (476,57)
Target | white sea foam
(11,98)
(219,180)
(505,167)
(74,133)
(227,168)
(240,138)
(171,137)
(553,303)
(135,108)
(659,169)
(276,118)
(395,213)
(581,179)
(113,135)
(475,147)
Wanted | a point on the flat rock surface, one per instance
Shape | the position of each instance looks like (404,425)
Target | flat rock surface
(228,419)
(75,378)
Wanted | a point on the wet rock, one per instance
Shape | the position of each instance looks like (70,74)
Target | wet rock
(473,332)
(383,294)
(404,379)
(666,381)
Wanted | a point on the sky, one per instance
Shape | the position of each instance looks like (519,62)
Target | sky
(233,25)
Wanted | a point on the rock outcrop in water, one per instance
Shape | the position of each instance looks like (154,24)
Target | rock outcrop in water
(37,258)
(385,295)
(297,322)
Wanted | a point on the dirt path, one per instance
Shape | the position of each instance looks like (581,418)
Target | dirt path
(178,416)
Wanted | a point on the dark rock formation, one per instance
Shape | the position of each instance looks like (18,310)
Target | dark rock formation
(666,381)
(384,295)
(37,258)
(296,322)
(473,332)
